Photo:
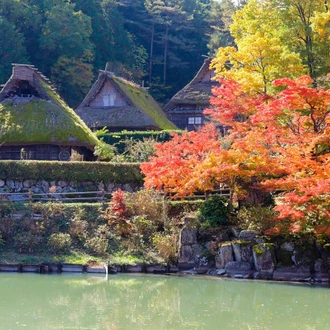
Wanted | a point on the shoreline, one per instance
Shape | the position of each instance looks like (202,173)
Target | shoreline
(139,269)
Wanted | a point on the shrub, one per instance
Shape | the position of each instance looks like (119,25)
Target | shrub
(78,229)
(98,245)
(136,151)
(104,151)
(118,138)
(27,242)
(59,242)
(143,226)
(101,240)
(256,217)
(31,225)
(148,203)
(117,214)
(7,227)
(5,209)
(215,211)
(178,208)
(166,245)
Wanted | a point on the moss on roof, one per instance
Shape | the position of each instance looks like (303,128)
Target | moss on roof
(42,121)
(142,100)
(140,112)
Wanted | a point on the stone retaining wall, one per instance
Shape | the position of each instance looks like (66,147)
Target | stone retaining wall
(248,255)
(21,188)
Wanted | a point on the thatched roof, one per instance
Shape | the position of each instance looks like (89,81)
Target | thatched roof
(136,109)
(198,91)
(31,112)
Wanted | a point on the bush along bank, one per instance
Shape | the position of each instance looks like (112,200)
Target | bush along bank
(143,232)
(135,232)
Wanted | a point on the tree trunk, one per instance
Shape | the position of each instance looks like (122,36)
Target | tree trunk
(165,54)
(151,55)
(255,195)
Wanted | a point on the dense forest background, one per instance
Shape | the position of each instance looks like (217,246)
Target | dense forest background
(158,42)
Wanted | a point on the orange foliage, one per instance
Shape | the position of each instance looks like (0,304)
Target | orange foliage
(277,143)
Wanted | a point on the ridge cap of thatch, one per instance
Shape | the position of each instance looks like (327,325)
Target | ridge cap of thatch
(202,71)
(37,75)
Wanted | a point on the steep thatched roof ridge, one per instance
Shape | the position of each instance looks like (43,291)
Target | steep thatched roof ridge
(197,91)
(45,119)
(205,68)
(141,109)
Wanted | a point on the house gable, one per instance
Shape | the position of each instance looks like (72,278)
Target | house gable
(118,104)
(25,83)
(108,96)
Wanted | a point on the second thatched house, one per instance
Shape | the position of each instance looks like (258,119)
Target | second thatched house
(185,109)
(118,104)
(35,123)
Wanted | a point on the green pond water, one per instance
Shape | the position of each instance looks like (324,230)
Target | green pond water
(30,301)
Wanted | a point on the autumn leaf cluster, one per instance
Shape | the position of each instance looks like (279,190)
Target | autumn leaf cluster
(276,143)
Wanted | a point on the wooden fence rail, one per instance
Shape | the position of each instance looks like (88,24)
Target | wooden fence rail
(77,196)
(101,196)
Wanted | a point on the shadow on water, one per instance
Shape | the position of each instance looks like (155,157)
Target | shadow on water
(32,301)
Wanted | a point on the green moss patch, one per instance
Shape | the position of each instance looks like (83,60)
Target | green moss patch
(261,248)
(142,100)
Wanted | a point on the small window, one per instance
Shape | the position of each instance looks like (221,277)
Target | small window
(191,120)
(194,120)
(109,100)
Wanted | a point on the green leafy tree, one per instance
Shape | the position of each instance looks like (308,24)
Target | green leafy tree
(73,78)
(12,48)
(66,33)
(305,25)
(220,19)
(102,35)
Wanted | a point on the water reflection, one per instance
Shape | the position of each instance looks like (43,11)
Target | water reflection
(157,302)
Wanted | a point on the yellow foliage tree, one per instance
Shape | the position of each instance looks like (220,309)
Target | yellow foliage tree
(260,55)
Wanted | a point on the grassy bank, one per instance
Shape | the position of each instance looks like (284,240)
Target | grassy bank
(84,233)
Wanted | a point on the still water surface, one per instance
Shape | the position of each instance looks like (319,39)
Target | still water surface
(158,302)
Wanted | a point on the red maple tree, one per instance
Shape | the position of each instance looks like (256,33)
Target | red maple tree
(275,143)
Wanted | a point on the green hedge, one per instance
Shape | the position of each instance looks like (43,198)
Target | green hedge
(71,171)
(117,137)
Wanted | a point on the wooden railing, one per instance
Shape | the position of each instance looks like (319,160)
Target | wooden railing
(202,195)
(77,196)
(101,196)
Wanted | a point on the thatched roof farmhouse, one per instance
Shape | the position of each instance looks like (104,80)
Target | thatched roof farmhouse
(185,109)
(118,104)
(35,123)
